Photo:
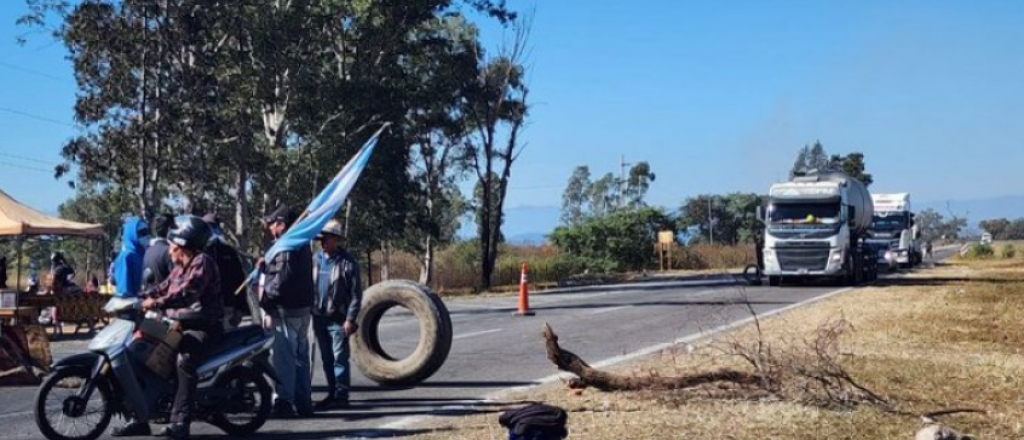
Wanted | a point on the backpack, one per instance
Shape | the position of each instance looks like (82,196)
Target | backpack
(536,421)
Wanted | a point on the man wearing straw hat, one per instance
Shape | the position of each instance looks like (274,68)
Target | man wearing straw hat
(338,297)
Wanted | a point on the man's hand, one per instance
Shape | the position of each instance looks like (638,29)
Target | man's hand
(261,265)
(268,322)
(149,304)
(349,327)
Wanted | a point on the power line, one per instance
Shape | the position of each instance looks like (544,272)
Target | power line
(34,72)
(23,167)
(15,156)
(37,117)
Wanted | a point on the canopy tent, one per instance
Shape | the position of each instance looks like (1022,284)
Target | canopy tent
(20,220)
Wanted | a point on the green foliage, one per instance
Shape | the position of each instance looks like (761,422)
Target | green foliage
(1004,229)
(584,198)
(616,242)
(980,252)
(817,158)
(734,217)
(1008,251)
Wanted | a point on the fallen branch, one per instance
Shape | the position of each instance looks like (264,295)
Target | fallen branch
(589,377)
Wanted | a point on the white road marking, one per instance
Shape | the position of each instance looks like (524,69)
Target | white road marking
(608,309)
(479,333)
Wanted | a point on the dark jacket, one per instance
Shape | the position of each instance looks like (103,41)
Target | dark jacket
(156,263)
(232,274)
(191,293)
(344,291)
(535,421)
(288,282)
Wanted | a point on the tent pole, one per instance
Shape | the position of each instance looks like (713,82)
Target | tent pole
(21,243)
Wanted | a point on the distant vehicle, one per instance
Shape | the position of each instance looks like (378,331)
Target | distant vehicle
(986,238)
(814,229)
(894,234)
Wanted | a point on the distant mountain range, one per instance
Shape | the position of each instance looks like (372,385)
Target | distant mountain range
(532,224)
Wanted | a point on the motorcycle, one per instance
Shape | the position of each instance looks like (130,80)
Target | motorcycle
(78,400)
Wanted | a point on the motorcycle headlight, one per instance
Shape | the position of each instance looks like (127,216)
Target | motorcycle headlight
(117,334)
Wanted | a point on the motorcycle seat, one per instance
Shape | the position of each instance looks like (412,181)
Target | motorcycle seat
(235,338)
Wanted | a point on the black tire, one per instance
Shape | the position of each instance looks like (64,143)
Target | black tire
(76,376)
(752,274)
(253,385)
(435,334)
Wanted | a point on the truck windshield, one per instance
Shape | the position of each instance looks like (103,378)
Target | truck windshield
(890,222)
(804,214)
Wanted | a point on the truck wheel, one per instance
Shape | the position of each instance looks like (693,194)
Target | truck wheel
(435,334)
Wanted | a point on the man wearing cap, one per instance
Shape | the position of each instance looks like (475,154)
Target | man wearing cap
(339,294)
(287,298)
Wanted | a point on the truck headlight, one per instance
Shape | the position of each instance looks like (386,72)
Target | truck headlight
(889,256)
(837,256)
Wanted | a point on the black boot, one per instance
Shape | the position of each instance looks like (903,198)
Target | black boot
(131,428)
(176,431)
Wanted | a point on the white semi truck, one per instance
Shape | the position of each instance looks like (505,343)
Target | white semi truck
(814,225)
(894,234)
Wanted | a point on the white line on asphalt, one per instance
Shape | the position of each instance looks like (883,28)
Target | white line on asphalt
(607,309)
(480,333)
(497,395)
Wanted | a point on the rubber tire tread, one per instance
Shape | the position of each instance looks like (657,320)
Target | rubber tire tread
(435,334)
(266,401)
(40,404)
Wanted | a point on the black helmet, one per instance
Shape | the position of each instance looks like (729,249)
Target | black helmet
(56,257)
(190,232)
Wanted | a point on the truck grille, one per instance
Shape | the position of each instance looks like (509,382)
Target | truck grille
(804,257)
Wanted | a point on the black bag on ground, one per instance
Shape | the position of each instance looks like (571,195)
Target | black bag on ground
(535,422)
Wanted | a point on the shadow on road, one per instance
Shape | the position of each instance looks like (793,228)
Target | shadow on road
(940,281)
(437,384)
(324,435)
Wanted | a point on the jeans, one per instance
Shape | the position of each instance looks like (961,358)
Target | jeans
(192,350)
(334,354)
(291,357)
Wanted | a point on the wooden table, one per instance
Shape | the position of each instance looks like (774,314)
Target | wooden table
(20,315)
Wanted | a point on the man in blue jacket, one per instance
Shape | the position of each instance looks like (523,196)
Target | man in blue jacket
(128,266)
(339,294)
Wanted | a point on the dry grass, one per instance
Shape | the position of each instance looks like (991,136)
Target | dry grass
(944,338)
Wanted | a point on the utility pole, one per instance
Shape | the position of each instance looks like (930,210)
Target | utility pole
(622,177)
(711,221)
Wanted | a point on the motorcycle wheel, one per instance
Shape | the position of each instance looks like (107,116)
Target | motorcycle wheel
(61,415)
(248,408)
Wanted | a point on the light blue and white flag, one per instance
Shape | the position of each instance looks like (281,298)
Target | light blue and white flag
(325,205)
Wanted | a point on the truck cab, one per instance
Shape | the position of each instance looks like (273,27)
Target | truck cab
(812,229)
(893,234)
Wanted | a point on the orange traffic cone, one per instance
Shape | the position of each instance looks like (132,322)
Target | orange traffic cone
(524,294)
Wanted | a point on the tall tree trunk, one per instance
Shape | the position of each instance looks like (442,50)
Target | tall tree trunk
(385,261)
(427,262)
(241,203)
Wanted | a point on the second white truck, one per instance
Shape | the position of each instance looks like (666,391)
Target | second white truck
(894,234)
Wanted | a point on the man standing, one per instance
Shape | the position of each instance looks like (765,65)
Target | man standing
(156,263)
(339,294)
(232,274)
(287,299)
(62,276)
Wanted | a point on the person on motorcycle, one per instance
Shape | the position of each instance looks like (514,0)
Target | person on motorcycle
(190,295)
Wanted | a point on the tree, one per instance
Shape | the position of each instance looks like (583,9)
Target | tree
(852,165)
(574,198)
(733,217)
(800,165)
(616,242)
(930,223)
(999,228)
(497,106)
(637,184)
(817,157)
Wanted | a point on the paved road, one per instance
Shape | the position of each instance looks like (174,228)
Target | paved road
(494,351)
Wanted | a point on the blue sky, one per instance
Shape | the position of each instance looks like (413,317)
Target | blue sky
(717,95)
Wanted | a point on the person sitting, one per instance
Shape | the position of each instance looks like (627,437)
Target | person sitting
(62,276)
(190,295)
